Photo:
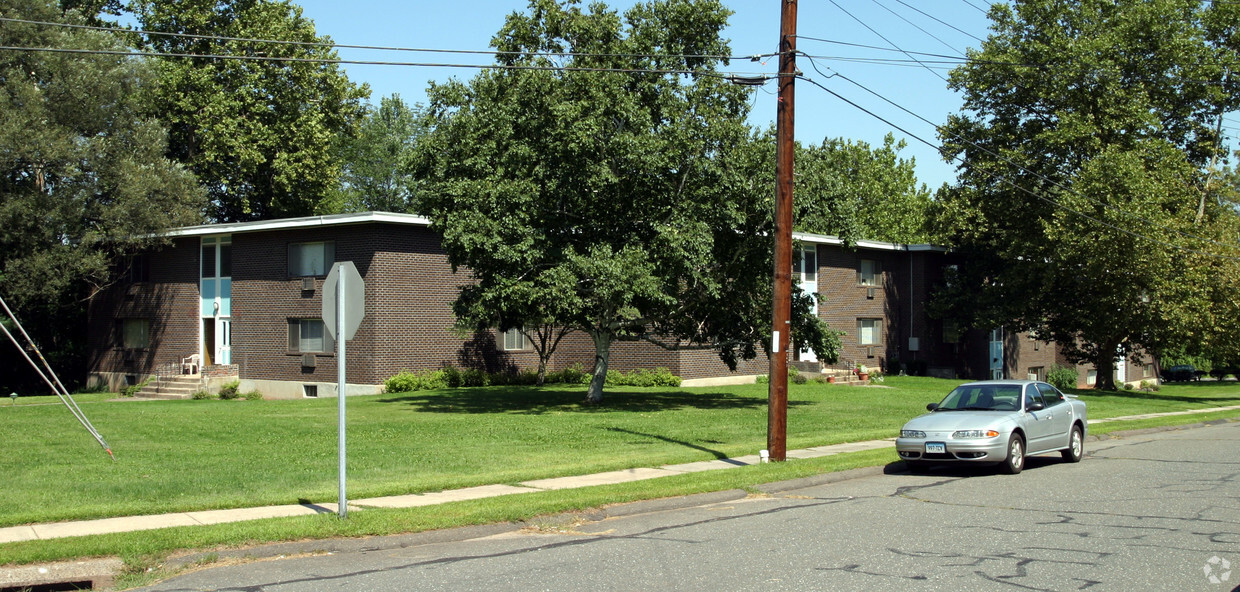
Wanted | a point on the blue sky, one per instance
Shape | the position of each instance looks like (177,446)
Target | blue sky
(753,29)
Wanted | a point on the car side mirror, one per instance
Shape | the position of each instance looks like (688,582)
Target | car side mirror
(1035,407)
(932,406)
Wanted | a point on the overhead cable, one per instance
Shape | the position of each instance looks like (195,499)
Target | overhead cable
(50,377)
(376,47)
(1015,185)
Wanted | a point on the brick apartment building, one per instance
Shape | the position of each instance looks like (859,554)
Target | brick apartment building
(244,301)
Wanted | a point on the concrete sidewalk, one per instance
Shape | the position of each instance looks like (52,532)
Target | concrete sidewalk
(136,523)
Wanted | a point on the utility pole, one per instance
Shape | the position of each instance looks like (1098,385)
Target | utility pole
(781,323)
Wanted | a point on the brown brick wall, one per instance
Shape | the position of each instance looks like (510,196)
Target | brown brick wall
(169,301)
(410,288)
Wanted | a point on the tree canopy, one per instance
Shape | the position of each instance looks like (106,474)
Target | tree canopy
(1083,145)
(847,189)
(257,126)
(617,186)
(375,174)
(85,178)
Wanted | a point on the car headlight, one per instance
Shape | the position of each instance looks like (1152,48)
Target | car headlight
(912,434)
(975,434)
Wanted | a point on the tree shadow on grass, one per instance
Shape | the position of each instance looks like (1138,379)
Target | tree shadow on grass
(716,453)
(536,401)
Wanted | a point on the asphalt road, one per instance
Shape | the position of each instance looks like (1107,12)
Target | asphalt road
(1158,511)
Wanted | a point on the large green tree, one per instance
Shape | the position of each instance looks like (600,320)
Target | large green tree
(375,162)
(1086,131)
(619,181)
(83,175)
(258,126)
(848,189)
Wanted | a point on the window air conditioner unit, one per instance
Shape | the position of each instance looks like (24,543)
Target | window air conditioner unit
(307,284)
(869,293)
(307,360)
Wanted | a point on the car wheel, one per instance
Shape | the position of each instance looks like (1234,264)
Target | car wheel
(1016,455)
(1076,446)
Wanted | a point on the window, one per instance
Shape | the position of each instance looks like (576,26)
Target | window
(309,336)
(134,268)
(208,259)
(951,332)
(807,266)
(1037,373)
(311,259)
(514,340)
(869,331)
(135,333)
(1050,395)
(869,273)
(1032,396)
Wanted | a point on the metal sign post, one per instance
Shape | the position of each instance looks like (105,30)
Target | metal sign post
(341,319)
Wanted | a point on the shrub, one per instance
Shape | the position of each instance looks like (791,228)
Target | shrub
(230,390)
(762,379)
(570,375)
(1149,385)
(201,395)
(407,382)
(451,377)
(474,377)
(1062,377)
(643,377)
(799,378)
(133,389)
(253,396)
(918,367)
(893,367)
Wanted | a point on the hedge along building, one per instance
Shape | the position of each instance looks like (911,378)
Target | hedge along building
(244,301)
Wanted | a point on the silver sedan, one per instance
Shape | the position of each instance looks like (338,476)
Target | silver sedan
(996,422)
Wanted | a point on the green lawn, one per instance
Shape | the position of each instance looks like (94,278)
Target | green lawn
(186,455)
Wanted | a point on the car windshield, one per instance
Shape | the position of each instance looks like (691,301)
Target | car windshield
(982,397)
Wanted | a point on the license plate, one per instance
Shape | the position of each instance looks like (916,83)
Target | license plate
(936,448)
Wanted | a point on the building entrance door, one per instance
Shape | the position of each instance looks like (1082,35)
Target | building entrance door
(223,341)
(805,273)
(996,354)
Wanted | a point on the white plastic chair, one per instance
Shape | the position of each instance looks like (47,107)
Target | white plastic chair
(191,365)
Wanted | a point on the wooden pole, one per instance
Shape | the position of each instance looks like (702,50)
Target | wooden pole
(781,323)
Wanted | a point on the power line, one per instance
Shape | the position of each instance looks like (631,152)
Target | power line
(916,26)
(377,47)
(880,35)
(133,53)
(975,7)
(995,176)
(942,22)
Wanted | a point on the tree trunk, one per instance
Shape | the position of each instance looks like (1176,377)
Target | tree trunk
(602,351)
(542,370)
(1105,365)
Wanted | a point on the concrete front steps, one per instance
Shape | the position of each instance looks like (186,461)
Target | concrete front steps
(172,387)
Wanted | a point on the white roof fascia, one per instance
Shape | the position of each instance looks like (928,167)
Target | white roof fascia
(822,239)
(295,223)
